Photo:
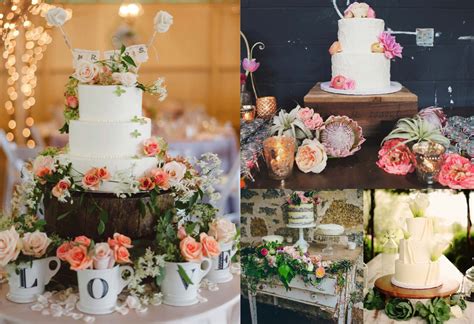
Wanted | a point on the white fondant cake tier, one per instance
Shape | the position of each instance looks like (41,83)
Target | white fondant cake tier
(101,103)
(417,275)
(368,70)
(301,215)
(420,228)
(414,251)
(356,35)
(107,140)
(130,168)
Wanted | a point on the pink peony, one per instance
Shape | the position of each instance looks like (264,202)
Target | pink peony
(396,158)
(250,65)
(305,114)
(338,82)
(392,49)
(457,172)
(72,102)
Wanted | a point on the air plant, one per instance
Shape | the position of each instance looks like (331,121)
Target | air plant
(417,129)
(288,124)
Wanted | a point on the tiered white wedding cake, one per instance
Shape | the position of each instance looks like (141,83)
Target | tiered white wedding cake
(361,56)
(301,214)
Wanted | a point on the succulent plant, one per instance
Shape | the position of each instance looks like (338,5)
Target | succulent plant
(417,129)
(288,124)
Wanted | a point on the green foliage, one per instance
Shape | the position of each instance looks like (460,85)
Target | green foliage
(435,311)
(457,300)
(399,309)
(459,252)
(167,241)
(374,300)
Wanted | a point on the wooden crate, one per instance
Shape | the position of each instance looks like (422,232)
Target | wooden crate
(376,114)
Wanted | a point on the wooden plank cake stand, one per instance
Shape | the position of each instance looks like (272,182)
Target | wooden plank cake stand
(385,286)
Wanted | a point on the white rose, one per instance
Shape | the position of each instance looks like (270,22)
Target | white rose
(222,230)
(311,156)
(35,244)
(162,22)
(103,256)
(86,71)
(456,311)
(175,171)
(127,79)
(10,246)
(419,204)
(56,16)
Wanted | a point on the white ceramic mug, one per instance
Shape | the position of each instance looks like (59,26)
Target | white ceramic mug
(27,280)
(176,292)
(98,289)
(220,270)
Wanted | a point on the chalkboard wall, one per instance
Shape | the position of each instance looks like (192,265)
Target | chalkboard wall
(298,33)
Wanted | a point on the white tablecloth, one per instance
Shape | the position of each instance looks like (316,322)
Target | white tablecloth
(448,270)
(222,307)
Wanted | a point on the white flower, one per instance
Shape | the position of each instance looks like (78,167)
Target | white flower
(127,79)
(222,229)
(35,244)
(456,311)
(132,302)
(159,88)
(103,256)
(311,156)
(10,246)
(56,16)
(419,204)
(438,248)
(86,71)
(162,22)
(175,170)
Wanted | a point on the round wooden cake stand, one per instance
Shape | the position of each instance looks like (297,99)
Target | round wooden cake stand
(384,284)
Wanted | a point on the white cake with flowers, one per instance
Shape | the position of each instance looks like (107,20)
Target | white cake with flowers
(300,207)
(361,57)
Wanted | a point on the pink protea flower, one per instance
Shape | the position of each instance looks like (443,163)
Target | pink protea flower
(434,116)
(457,172)
(250,65)
(392,49)
(396,158)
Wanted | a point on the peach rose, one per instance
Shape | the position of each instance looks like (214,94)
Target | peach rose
(103,173)
(35,244)
(60,190)
(335,48)
(78,258)
(181,232)
(146,184)
(175,171)
(91,180)
(121,254)
(222,229)
(190,249)
(311,156)
(83,240)
(43,165)
(63,250)
(103,256)
(151,147)
(210,247)
(72,102)
(10,246)
(320,272)
(161,178)
(120,240)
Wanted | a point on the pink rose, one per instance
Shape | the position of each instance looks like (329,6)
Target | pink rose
(264,252)
(396,158)
(151,147)
(190,249)
(146,184)
(86,71)
(335,48)
(161,178)
(61,189)
(457,172)
(175,171)
(210,247)
(314,123)
(91,180)
(10,246)
(78,258)
(72,102)
(103,256)
(222,229)
(43,165)
(349,85)
(311,156)
(63,250)
(83,240)
(182,233)
(35,244)
(305,114)
(250,65)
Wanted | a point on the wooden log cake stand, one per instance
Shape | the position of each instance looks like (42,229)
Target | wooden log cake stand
(376,114)
(385,286)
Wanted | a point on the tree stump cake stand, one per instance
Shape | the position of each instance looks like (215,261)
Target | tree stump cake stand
(385,286)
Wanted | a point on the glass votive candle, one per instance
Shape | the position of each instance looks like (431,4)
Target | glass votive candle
(429,159)
(247,113)
(279,153)
(266,107)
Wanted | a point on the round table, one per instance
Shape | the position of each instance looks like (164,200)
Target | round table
(222,307)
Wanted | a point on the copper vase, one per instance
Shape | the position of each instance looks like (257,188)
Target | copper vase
(266,107)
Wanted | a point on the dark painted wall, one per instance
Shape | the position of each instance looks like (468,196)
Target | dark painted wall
(298,33)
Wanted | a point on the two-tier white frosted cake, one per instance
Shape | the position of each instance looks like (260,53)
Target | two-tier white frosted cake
(361,57)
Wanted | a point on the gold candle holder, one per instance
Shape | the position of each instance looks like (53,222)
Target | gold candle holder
(279,153)
(247,113)
(429,159)
(266,107)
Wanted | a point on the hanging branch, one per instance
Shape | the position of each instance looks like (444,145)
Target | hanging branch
(260,46)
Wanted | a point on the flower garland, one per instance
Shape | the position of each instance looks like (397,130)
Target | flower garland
(273,260)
